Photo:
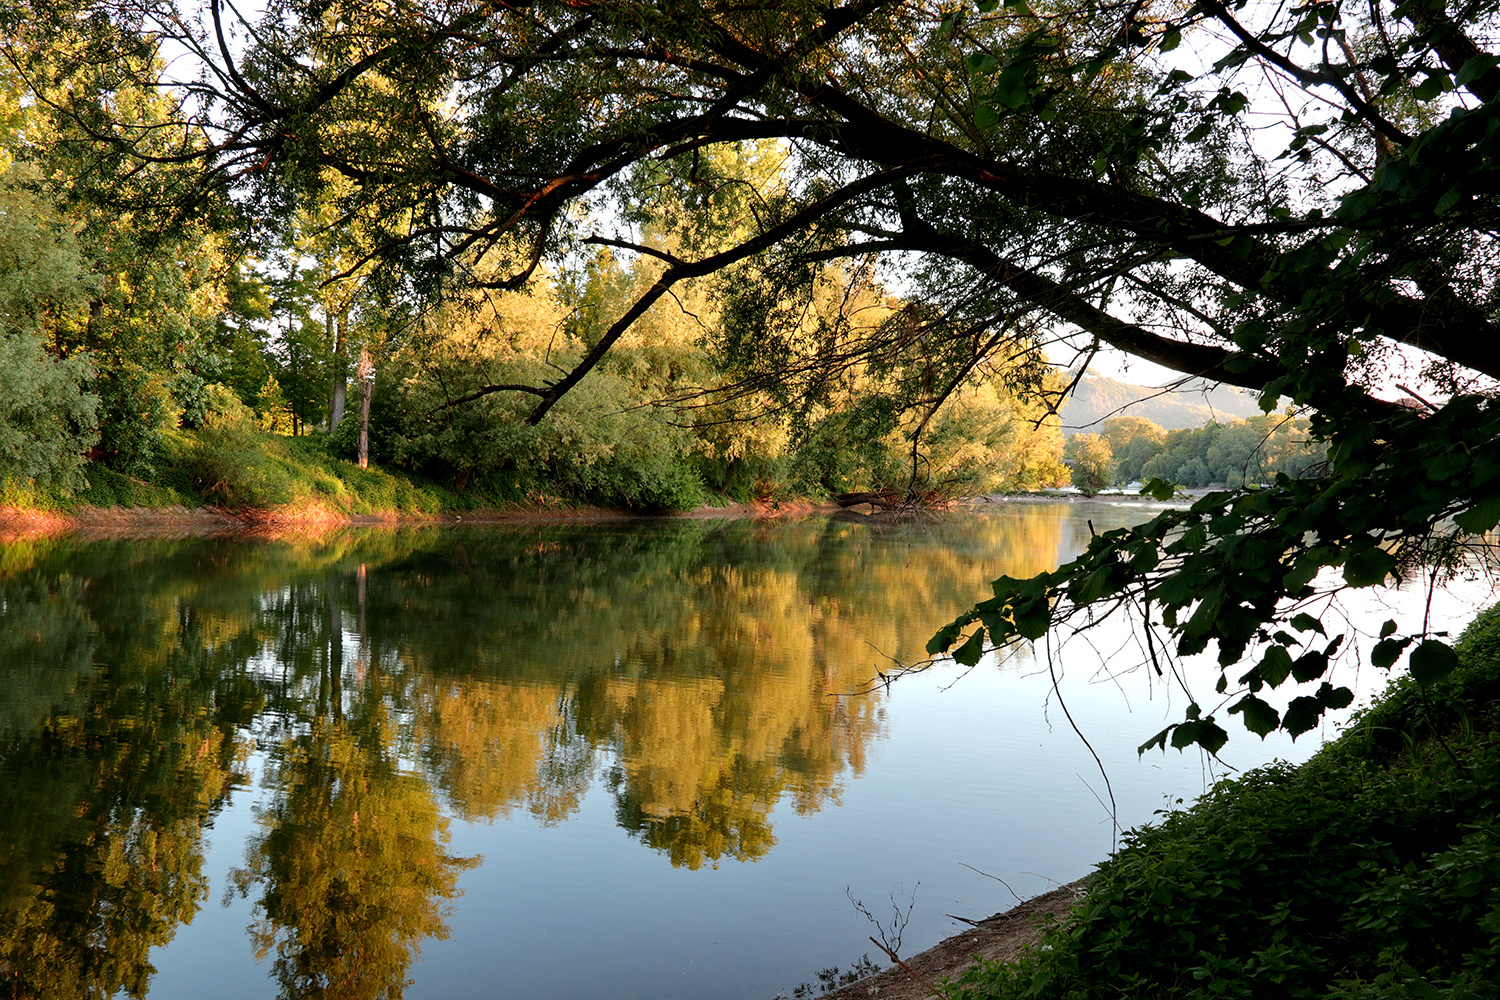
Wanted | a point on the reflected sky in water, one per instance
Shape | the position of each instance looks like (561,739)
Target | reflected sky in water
(625,759)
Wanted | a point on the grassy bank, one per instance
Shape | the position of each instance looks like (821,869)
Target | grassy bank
(1373,871)
(260,472)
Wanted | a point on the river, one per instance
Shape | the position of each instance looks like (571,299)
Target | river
(636,759)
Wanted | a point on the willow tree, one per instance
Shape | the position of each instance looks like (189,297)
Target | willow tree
(1074,167)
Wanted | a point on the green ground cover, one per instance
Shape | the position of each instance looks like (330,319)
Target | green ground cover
(256,471)
(1373,871)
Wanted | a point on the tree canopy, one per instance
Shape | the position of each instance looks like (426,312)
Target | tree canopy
(1280,198)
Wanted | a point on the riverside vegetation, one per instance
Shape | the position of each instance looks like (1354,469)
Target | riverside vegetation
(414,179)
(1372,871)
(1233,453)
(181,369)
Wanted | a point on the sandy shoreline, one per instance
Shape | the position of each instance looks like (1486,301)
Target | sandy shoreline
(1002,936)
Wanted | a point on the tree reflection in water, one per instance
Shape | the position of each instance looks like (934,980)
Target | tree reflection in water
(700,670)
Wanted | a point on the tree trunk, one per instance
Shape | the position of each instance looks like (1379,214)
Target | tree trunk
(366,375)
(336,403)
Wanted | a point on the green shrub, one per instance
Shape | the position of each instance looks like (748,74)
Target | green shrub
(225,459)
(108,488)
(1401,723)
(1362,874)
(647,483)
(47,421)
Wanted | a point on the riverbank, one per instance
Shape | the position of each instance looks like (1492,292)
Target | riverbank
(51,518)
(1003,937)
(1370,872)
(207,519)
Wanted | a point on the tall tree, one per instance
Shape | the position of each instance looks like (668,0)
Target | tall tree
(1072,166)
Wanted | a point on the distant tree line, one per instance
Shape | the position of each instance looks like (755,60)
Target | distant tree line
(1232,454)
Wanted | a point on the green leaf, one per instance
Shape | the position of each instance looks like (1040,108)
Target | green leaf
(985,118)
(1387,651)
(1275,665)
(1160,489)
(1145,558)
(1432,660)
(1260,718)
(969,653)
(1448,201)
(1368,568)
(1309,667)
(1302,572)
(1388,629)
(1305,622)
(1335,697)
(1010,86)
(944,639)
(1205,733)
(1481,517)
(1033,617)
(1446,465)
(1191,540)
(1159,740)
(1475,67)
(1432,86)
(1301,715)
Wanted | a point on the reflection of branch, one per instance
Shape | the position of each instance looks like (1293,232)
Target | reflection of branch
(909,970)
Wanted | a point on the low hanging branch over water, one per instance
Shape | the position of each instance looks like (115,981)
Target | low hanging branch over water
(1024,173)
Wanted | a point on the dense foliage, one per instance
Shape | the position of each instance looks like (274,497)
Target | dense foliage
(1372,871)
(1293,200)
(121,341)
(47,419)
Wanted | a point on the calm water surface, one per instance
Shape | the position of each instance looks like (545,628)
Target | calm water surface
(615,761)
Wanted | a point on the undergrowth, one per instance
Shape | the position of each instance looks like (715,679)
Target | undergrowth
(253,471)
(229,462)
(1371,872)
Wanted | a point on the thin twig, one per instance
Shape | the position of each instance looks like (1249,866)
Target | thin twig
(909,970)
(997,878)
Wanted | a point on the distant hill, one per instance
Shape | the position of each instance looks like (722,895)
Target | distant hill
(1098,399)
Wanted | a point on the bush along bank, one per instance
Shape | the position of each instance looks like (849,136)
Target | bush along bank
(231,464)
(1372,871)
(228,461)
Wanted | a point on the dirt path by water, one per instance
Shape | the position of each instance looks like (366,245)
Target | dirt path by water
(999,937)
